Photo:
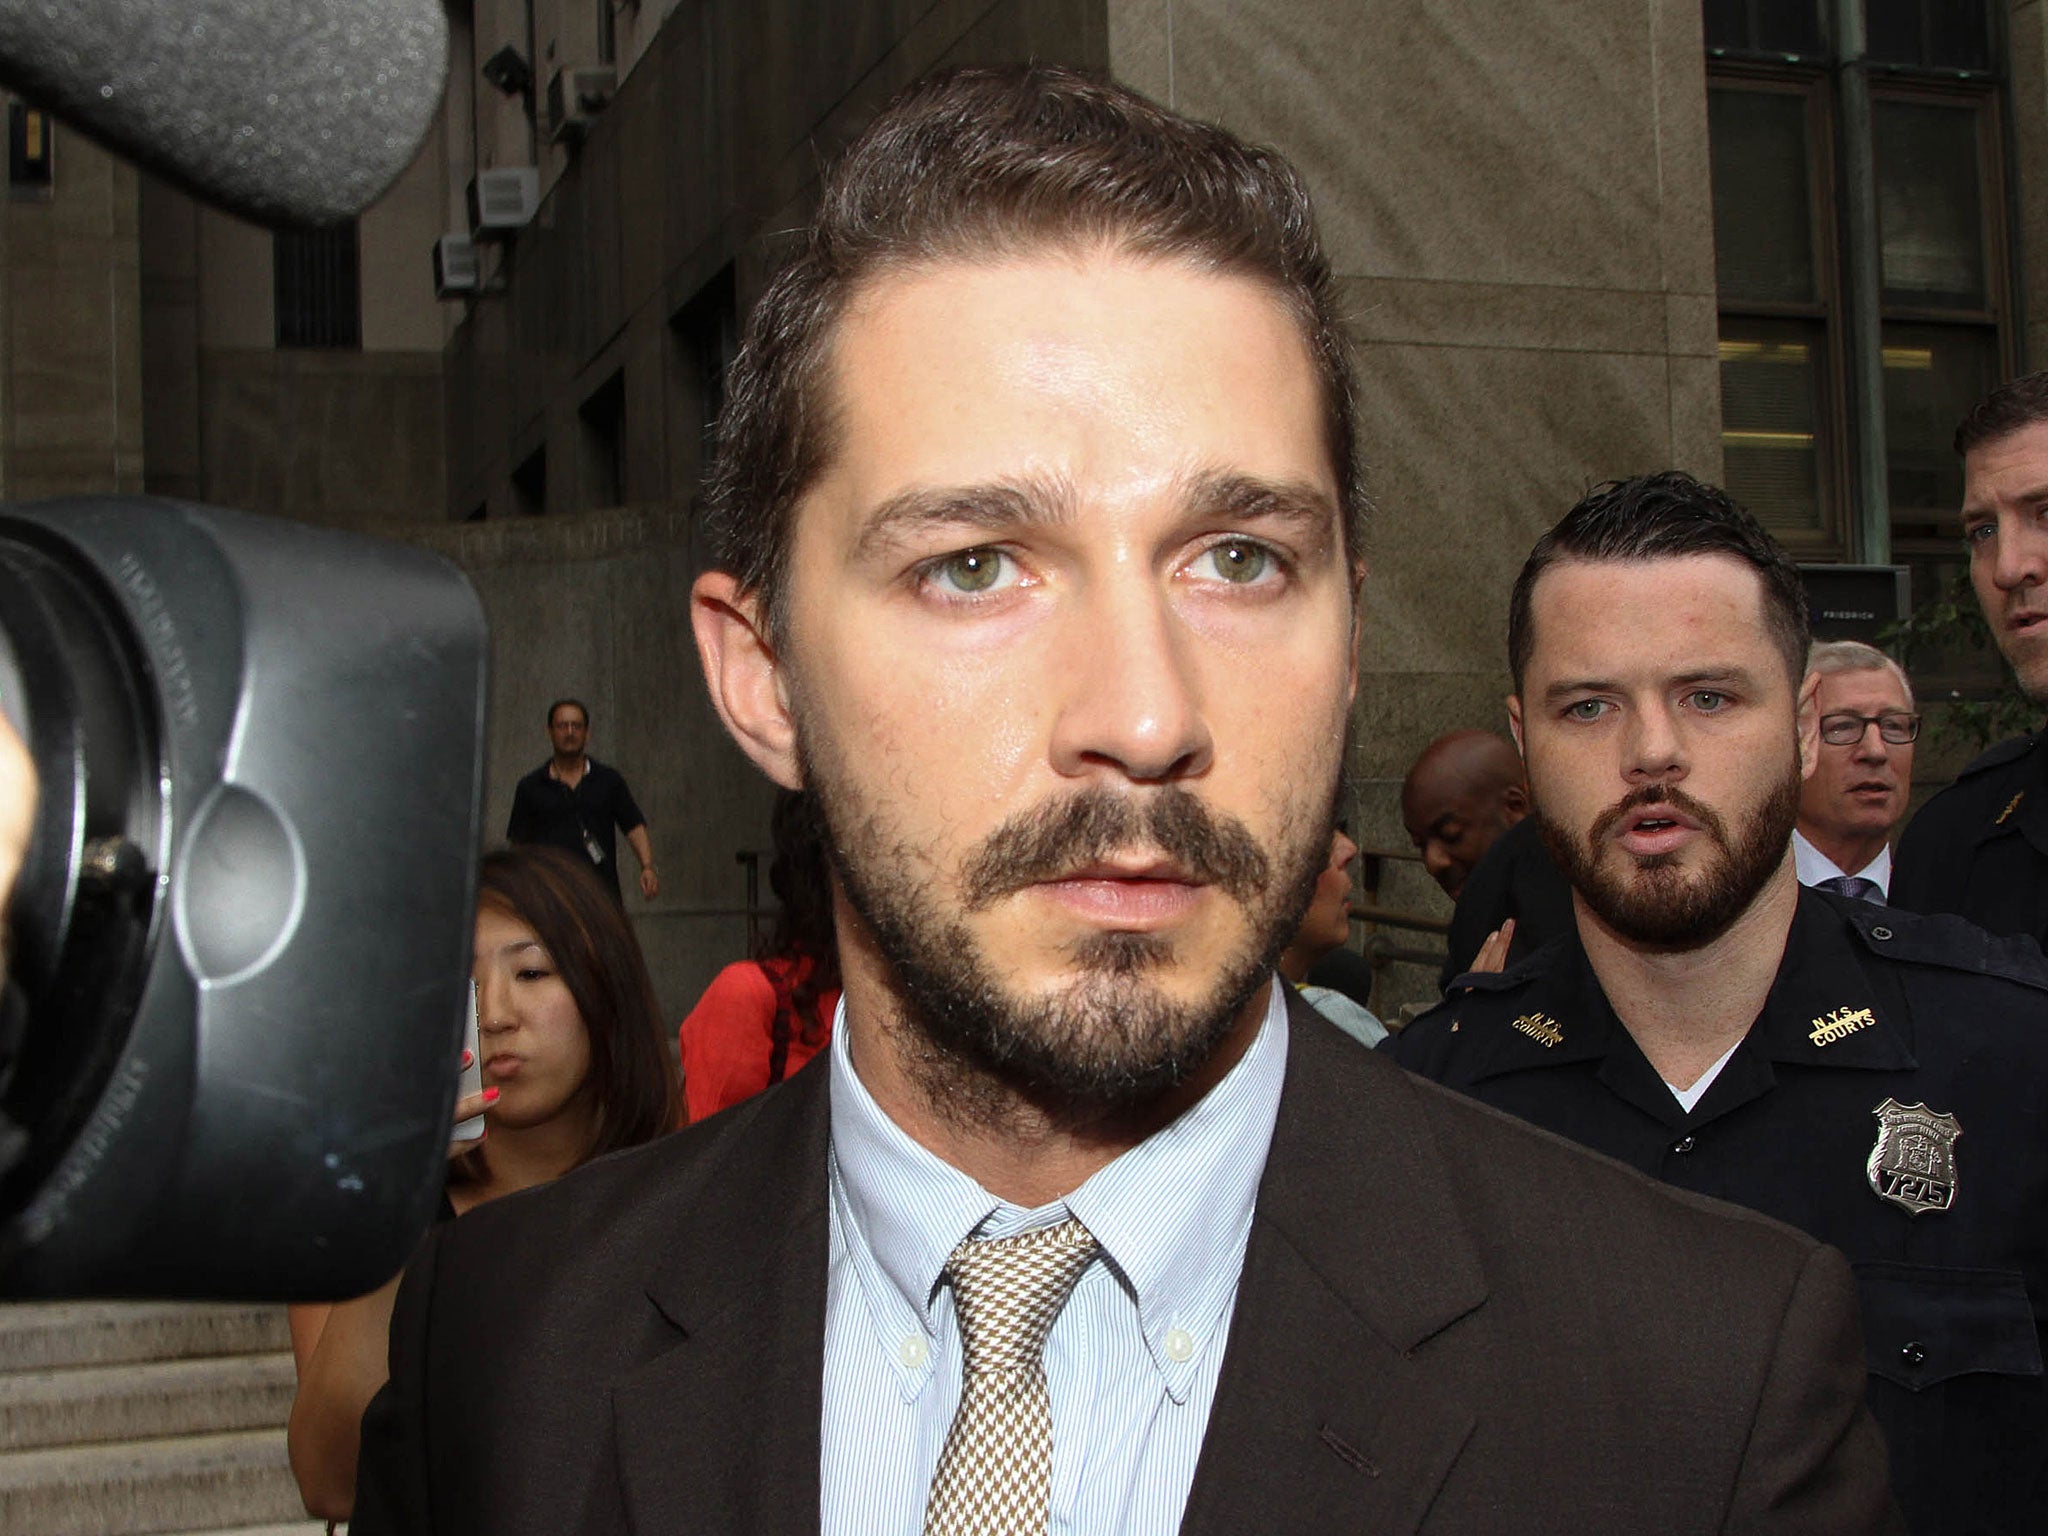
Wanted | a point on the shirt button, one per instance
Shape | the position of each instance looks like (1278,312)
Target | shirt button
(1683,1144)
(1180,1345)
(1913,1354)
(913,1352)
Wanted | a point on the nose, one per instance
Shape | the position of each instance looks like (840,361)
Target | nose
(1654,749)
(1436,858)
(493,998)
(1132,702)
(2022,554)
(1871,747)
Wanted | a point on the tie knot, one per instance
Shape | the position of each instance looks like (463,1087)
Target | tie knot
(1008,1290)
(1854,886)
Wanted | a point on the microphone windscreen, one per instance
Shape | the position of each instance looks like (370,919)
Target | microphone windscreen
(285,111)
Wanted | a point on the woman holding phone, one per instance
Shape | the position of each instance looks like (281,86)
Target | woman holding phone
(574,1065)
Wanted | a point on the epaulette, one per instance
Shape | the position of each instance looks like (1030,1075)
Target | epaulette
(1949,941)
(2000,754)
(1529,967)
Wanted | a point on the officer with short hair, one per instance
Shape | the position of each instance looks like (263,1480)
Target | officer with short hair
(1876,1078)
(1980,847)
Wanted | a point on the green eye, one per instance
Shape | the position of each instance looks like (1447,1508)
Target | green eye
(1240,561)
(972,570)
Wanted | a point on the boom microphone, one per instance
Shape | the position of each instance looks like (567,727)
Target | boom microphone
(285,111)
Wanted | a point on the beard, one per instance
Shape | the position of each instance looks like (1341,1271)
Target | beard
(1651,901)
(1110,1039)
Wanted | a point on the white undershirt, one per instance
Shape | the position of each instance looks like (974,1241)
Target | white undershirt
(1688,1097)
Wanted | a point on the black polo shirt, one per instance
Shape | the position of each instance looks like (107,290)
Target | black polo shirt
(1980,847)
(545,810)
(1881,1031)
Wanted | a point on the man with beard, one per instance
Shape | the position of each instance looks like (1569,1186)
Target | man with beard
(1980,847)
(1035,559)
(1873,1077)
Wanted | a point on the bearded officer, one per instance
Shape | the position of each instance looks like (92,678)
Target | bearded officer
(1876,1078)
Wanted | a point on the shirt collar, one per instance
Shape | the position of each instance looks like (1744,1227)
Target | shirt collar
(1171,1215)
(1814,866)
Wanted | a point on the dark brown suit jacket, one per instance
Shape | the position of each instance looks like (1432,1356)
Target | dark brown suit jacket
(1447,1322)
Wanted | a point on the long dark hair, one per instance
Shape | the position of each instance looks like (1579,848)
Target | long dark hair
(801,880)
(586,934)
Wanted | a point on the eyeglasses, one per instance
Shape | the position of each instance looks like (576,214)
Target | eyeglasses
(1847,730)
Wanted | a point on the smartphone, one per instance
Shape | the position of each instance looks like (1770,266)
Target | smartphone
(472,1075)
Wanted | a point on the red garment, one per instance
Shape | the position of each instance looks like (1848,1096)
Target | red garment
(729,1036)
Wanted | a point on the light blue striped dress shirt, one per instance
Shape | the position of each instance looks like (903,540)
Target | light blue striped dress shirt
(1132,1361)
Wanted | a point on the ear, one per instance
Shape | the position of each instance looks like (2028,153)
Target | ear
(1515,727)
(1809,725)
(1515,801)
(744,675)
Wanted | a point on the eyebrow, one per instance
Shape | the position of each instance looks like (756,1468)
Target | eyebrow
(1047,500)
(2030,497)
(1706,677)
(1033,500)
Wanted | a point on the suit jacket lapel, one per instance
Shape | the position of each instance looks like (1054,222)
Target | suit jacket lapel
(719,1431)
(1322,1419)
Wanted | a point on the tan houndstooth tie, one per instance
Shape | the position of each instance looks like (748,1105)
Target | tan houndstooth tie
(995,1474)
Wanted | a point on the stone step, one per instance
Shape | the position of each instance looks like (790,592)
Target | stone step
(303,1528)
(97,1403)
(138,1488)
(51,1335)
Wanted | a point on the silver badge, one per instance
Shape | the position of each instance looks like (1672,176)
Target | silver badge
(1913,1164)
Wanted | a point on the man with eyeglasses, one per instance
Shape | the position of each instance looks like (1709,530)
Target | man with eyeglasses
(1856,796)
(1875,1077)
(1980,847)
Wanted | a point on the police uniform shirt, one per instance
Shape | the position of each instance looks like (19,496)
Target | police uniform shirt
(1980,847)
(1881,1032)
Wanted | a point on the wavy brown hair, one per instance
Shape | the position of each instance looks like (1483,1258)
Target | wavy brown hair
(592,945)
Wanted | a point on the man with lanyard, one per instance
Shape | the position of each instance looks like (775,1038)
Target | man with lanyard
(1875,1078)
(573,801)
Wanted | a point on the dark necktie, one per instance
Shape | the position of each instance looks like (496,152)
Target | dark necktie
(995,1474)
(1856,886)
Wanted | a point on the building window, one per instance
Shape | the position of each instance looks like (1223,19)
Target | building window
(31,151)
(530,484)
(1774,268)
(318,294)
(603,420)
(1787,148)
(705,336)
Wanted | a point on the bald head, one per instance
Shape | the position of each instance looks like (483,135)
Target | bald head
(1463,792)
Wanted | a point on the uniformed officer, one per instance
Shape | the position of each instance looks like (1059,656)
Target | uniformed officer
(1876,1078)
(1980,847)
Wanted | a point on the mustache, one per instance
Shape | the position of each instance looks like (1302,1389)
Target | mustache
(1657,794)
(1048,841)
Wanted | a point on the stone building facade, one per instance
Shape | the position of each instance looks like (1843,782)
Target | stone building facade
(1525,204)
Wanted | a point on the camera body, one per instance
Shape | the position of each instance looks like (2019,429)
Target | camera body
(241,936)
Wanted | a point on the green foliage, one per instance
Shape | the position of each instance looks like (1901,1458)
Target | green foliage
(1946,632)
